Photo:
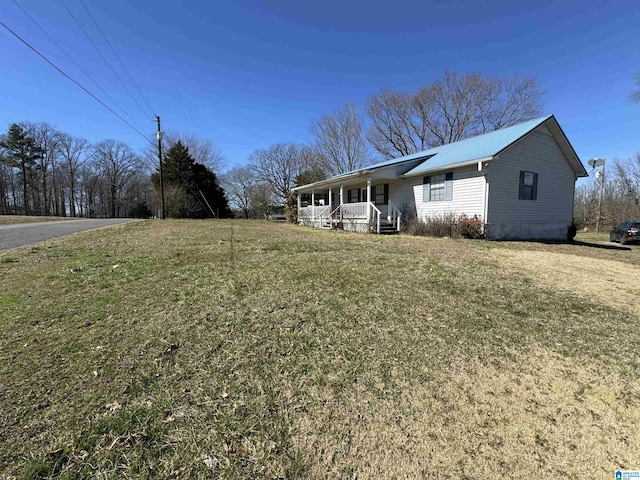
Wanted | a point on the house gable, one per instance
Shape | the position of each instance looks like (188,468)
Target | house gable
(540,154)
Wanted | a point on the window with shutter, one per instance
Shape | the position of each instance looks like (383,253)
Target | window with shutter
(380,194)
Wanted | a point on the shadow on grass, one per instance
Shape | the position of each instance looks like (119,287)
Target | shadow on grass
(579,243)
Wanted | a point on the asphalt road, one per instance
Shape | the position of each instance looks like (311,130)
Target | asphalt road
(12,236)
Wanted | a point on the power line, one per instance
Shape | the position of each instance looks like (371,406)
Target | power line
(103,57)
(76,64)
(116,55)
(74,81)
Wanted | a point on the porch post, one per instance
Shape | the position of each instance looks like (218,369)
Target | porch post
(341,194)
(299,204)
(330,199)
(313,204)
(368,199)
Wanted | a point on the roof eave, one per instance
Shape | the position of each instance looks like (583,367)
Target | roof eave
(448,167)
(330,181)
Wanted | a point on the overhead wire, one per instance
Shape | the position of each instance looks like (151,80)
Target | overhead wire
(76,64)
(116,55)
(70,78)
(103,57)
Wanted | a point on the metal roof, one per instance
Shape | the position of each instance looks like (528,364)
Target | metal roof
(473,148)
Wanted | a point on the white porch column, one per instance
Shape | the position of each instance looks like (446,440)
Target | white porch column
(313,205)
(341,194)
(330,199)
(368,198)
(299,203)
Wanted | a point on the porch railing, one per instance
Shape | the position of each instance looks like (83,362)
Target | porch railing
(358,211)
(324,215)
(354,210)
(313,213)
(393,215)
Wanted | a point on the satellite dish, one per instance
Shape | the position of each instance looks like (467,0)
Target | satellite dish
(596,162)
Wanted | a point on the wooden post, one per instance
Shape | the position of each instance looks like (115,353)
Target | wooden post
(368,199)
(313,205)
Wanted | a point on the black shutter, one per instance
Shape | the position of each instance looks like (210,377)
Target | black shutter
(521,189)
(386,194)
(534,188)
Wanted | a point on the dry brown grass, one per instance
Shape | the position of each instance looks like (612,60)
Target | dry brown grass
(611,282)
(237,349)
(15,219)
(539,416)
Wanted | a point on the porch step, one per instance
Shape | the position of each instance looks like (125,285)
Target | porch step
(387,228)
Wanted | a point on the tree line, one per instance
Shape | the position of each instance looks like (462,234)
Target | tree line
(44,171)
(620,195)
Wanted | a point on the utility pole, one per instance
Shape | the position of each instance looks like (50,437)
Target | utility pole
(594,163)
(600,199)
(159,136)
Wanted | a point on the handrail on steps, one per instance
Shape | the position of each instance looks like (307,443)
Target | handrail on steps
(377,213)
(393,215)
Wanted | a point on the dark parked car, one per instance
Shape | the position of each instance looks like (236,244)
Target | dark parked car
(626,232)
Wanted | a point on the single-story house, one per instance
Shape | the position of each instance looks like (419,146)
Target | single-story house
(519,181)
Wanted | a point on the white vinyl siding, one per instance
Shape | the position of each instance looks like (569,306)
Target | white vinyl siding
(467,195)
(537,152)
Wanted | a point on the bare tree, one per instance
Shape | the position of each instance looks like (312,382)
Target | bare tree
(74,152)
(240,184)
(263,198)
(447,110)
(279,165)
(117,165)
(203,151)
(46,137)
(395,130)
(340,141)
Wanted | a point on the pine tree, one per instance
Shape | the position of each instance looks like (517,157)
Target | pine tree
(191,189)
(21,151)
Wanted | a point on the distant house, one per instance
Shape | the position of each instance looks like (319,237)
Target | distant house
(519,181)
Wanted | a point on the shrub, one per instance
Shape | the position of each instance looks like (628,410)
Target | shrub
(447,225)
(469,227)
(435,226)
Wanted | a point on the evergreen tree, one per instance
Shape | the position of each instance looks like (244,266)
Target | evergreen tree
(21,151)
(191,189)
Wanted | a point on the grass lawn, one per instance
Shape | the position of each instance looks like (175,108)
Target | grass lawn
(241,349)
(14,219)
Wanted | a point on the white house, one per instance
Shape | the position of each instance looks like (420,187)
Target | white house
(519,181)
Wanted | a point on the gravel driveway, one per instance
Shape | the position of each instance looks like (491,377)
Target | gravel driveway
(18,235)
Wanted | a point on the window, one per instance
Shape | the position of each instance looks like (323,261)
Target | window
(380,194)
(353,195)
(438,188)
(528,186)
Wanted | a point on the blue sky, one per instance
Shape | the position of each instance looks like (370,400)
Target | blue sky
(247,74)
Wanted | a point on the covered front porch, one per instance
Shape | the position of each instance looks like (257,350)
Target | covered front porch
(355,204)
